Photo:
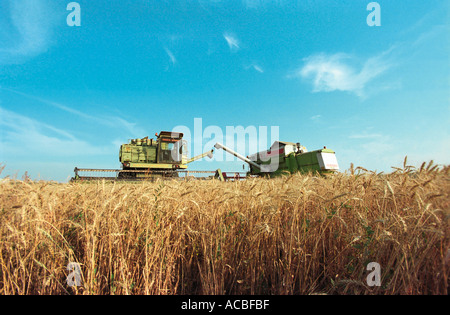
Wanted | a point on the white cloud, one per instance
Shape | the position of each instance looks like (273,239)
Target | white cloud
(366,136)
(378,146)
(247,4)
(233,42)
(255,67)
(109,121)
(337,72)
(252,4)
(381,152)
(172,58)
(26,137)
(258,68)
(31,23)
(45,151)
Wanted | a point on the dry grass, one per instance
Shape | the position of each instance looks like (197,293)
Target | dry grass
(291,235)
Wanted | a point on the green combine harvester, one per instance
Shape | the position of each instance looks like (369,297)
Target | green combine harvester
(287,158)
(143,159)
(167,157)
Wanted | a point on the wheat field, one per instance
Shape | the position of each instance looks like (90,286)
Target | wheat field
(299,234)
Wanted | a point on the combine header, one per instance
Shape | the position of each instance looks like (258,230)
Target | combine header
(166,157)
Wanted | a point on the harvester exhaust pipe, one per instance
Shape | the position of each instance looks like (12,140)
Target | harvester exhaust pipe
(243,158)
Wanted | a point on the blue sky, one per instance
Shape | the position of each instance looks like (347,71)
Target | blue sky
(69,96)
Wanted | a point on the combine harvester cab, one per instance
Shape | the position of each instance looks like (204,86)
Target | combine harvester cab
(288,158)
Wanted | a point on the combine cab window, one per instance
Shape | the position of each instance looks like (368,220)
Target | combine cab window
(170,152)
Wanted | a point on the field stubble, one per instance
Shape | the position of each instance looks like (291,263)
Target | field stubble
(297,234)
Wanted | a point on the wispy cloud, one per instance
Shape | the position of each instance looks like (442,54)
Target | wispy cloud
(435,31)
(233,42)
(379,147)
(109,121)
(31,22)
(366,136)
(24,136)
(51,103)
(252,4)
(256,67)
(172,58)
(247,4)
(338,72)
